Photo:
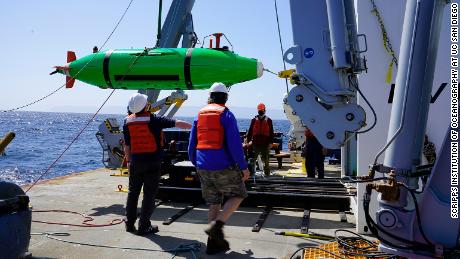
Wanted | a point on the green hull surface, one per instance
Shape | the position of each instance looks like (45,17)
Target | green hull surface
(163,68)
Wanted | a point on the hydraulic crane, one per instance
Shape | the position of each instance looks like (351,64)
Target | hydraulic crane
(405,222)
(327,55)
(178,24)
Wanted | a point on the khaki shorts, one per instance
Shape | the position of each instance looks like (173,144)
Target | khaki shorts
(215,184)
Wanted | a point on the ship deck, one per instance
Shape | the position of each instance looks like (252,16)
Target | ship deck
(94,193)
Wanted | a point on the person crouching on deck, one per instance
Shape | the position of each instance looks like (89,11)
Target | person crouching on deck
(216,150)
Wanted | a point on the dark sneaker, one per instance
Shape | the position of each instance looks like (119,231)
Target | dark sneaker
(215,246)
(215,230)
(130,228)
(152,229)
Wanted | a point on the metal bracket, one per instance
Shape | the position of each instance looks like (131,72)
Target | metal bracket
(305,222)
(293,55)
(386,170)
(313,114)
(179,214)
(365,42)
(175,99)
(287,74)
(260,222)
(343,216)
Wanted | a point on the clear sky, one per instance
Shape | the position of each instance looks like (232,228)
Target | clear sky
(35,36)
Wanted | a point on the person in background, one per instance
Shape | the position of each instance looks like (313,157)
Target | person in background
(429,150)
(143,152)
(216,150)
(261,135)
(314,155)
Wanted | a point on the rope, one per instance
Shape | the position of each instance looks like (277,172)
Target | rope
(386,41)
(36,101)
(118,23)
(160,9)
(351,247)
(315,247)
(281,45)
(146,50)
(85,223)
(269,71)
(354,246)
(191,247)
(70,144)
(60,87)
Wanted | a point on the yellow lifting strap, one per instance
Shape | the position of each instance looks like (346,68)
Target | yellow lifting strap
(123,171)
(386,42)
(311,235)
(389,75)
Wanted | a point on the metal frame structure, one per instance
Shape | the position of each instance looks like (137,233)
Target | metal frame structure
(325,81)
(178,24)
(410,233)
(327,57)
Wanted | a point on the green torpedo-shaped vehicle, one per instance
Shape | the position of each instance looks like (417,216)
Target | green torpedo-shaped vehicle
(160,68)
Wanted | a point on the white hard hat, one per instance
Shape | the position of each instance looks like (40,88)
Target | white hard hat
(218,88)
(137,102)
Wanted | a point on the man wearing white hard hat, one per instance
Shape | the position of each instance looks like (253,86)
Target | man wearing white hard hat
(216,150)
(143,133)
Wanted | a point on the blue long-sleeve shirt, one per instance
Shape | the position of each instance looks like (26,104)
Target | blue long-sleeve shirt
(217,159)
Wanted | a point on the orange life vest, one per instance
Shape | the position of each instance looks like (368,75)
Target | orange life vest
(142,138)
(308,133)
(210,132)
(261,128)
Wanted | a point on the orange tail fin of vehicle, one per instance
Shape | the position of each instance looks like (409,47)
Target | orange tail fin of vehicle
(69,81)
(71,56)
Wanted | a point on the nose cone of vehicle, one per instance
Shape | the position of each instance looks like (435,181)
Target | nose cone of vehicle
(247,68)
(209,66)
(260,69)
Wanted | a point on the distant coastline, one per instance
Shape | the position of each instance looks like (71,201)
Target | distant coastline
(186,111)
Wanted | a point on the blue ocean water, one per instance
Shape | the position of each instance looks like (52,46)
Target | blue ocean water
(41,137)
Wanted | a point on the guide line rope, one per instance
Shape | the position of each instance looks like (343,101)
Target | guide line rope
(281,45)
(87,220)
(71,142)
(60,87)
(160,9)
(89,121)
(269,71)
(191,247)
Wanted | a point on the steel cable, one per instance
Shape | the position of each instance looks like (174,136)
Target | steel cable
(281,44)
(89,122)
(60,87)
(191,247)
